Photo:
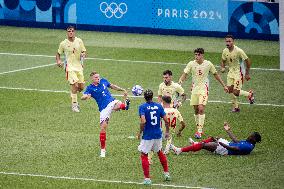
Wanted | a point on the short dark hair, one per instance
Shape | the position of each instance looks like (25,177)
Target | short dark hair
(257,136)
(70,27)
(148,95)
(230,36)
(93,73)
(167,99)
(169,72)
(199,50)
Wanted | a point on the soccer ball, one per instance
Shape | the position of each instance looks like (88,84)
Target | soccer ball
(137,90)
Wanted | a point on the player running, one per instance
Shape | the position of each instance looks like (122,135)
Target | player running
(199,70)
(150,128)
(221,146)
(74,51)
(98,90)
(233,56)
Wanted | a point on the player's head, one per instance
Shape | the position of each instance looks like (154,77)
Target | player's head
(70,31)
(198,54)
(254,138)
(95,77)
(167,76)
(229,39)
(166,99)
(148,95)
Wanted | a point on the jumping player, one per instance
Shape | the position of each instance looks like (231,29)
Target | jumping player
(106,103)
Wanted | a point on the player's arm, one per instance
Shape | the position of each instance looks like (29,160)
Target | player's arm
(248,64)
(117,88)
(167,126)
(229,132)
(159,98)
(182,78)
(142,125)
(223,69)
(183,97)
(182,126)
(232,148)
(218,78)
(58,60)
(86,97)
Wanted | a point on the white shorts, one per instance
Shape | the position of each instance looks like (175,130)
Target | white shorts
(150,145)
(220,149)
(105,113)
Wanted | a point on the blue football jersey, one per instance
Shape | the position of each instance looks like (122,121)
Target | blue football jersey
(100,93)
(244,146)
(153,113)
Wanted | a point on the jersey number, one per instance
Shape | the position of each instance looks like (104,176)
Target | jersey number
(173,123)
(154,119)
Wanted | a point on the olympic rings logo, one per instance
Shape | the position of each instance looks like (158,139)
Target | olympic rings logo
(113,9)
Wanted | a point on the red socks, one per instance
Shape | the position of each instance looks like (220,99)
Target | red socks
(103,140)
(145,165)
(122,106)
(163,160)
(207,140)
(195,147)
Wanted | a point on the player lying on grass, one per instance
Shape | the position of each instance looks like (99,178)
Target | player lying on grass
(222,146)
(106,103)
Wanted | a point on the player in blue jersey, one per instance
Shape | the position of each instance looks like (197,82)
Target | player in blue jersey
(106,103)
(221,146)
(150,128)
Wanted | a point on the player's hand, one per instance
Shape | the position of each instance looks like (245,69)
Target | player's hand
(226,126)
(226,89)
(247,76)
(223,69)
(138,136)
(83,55)
(177,104)
(59,64)
(167,135)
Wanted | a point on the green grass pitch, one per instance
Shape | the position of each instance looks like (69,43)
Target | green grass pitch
(45,145)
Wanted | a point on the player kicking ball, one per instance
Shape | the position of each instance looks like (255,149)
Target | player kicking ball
(150,128)
(222,146)
(98,90)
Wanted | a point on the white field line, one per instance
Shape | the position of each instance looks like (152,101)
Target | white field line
(118,60)
(24,69)
(116,95)
(96,180)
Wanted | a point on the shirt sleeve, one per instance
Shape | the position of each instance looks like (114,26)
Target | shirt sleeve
(87,91)
(141,111)
(60,48)
(212,69)
(224,56)
(179,89)
(107,83)
(83,48)
(187,69)
(163,113)
(243,55)
(160,90)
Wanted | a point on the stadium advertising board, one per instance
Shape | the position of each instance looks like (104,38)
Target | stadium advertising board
(184,17)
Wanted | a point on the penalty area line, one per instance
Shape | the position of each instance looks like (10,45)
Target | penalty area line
(117,95)
(96,180)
